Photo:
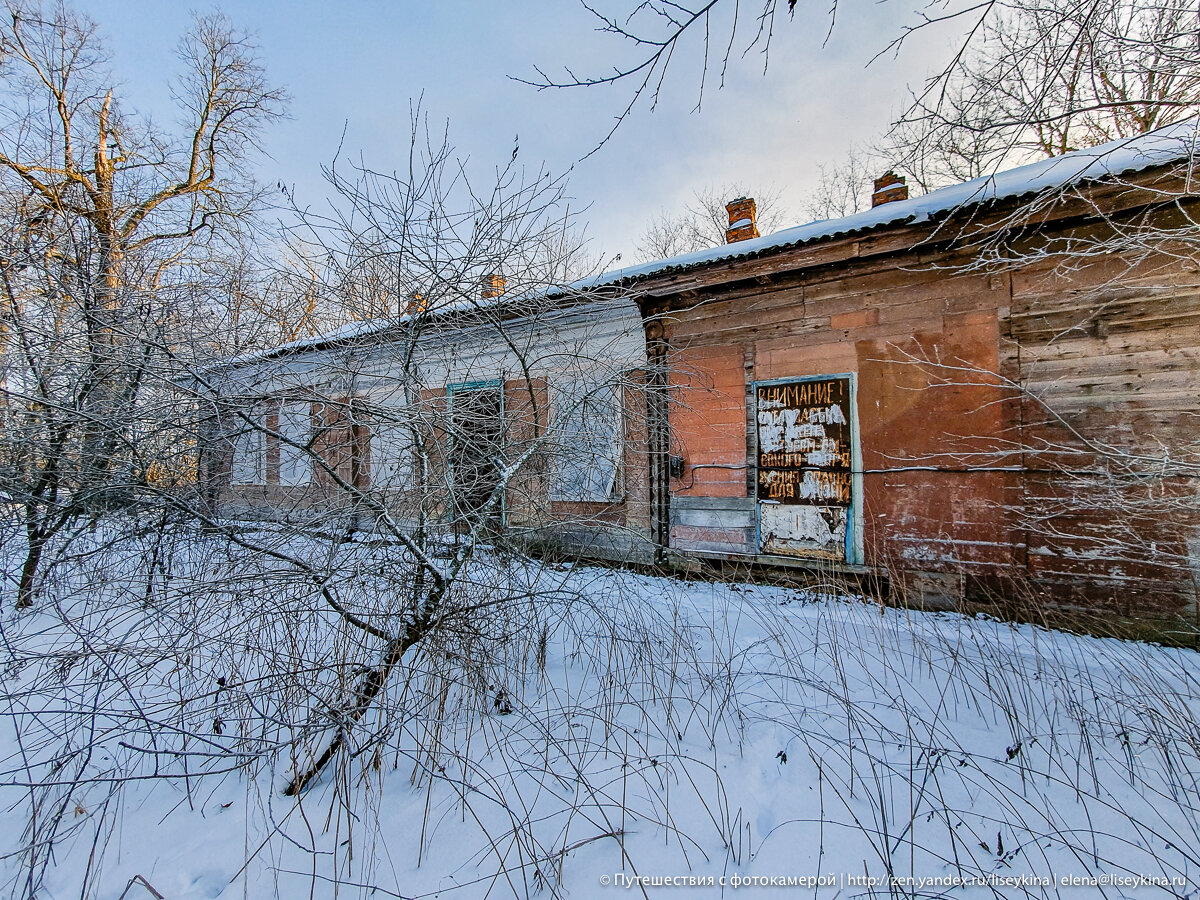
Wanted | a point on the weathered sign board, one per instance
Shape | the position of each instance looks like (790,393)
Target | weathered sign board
(805,486)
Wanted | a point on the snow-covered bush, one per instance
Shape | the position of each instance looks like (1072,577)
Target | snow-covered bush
(579,723)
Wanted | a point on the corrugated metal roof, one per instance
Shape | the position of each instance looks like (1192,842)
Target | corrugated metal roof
(1114,159)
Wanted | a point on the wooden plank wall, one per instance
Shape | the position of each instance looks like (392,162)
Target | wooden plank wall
(1025,431)
(1109,359)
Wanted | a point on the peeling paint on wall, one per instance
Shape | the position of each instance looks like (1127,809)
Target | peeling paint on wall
(805,531)
(805,456)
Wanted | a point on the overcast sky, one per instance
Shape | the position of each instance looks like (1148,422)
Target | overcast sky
(356,66)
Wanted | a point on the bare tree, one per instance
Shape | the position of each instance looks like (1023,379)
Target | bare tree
(352,583)
(657,33)
(267,293)
(703,221)
(1024,78)
(437,420)
(1040,78)
(107,222)
(843,188)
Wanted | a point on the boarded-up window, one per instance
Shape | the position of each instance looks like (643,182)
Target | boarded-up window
(587,439)
(249,464)
(295,433)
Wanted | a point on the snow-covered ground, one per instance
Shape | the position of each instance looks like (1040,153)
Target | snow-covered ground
(592,732)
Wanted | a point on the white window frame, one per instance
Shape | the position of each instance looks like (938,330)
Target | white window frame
(392,450)
(295,437)
(589,445)
(248,465)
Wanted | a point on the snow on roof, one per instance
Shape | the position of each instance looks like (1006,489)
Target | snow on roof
(1120,157)
(343,334)
(353,332)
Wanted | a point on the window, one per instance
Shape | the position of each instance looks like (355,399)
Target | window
(391,452)
(587,438)
(295,433)
(342,442)
(475,446)
(249,452)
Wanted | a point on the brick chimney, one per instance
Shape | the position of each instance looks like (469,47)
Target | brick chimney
(493,286)
(888,189)
(742,224)
(417,303)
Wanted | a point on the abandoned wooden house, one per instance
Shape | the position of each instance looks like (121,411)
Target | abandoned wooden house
(987,391)
(537,402)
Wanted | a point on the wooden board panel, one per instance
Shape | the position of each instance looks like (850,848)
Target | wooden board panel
(708,420)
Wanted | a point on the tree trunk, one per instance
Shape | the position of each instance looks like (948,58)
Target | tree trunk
(29,571)
(372,683)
